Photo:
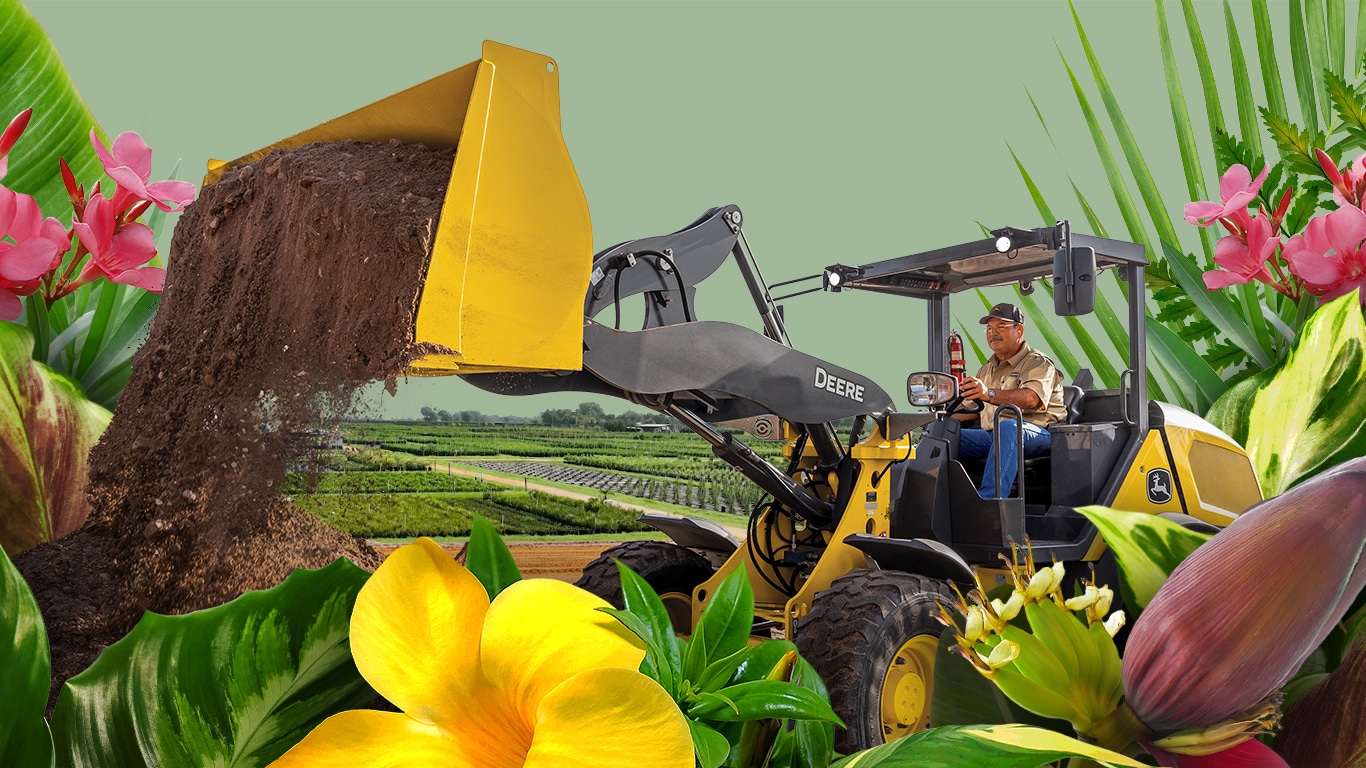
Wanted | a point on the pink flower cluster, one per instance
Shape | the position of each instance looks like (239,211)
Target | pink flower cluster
(1327,259)
(33,248)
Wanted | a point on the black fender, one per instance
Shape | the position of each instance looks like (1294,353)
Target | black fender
(921,556)
(708,538)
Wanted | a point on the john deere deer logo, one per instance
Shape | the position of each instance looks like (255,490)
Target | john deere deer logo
(1159,486)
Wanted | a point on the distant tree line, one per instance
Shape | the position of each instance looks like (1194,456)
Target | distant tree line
(591,416)
(442,416)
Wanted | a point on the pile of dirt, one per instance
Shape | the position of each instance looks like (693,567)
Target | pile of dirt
(291,282)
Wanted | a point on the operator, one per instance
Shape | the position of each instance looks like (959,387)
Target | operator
(1015,375)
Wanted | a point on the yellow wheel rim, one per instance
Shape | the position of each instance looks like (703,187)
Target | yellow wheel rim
(679,606)
(907,687)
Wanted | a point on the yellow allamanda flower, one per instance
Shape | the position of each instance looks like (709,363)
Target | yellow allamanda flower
(538,679)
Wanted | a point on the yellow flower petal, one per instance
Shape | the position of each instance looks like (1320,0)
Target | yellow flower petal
(415,631)
(541,632)
(374,740)
(610,718)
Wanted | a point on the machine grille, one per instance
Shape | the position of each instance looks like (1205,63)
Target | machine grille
(1223,478)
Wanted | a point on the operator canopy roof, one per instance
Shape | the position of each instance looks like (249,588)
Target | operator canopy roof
(1028,256)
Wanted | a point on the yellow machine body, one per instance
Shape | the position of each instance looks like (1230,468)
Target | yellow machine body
(513,247)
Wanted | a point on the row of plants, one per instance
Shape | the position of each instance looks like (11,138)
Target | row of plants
(381,482)
(407,515)
(730,493)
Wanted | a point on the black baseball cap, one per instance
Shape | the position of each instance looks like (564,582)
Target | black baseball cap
(1007,312)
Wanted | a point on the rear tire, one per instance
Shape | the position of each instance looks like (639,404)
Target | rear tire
(672,571)
(872,636)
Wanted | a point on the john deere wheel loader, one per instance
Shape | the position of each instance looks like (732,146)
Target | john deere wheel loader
(859,534)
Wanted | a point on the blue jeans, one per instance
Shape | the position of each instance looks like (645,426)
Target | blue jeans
(977,443)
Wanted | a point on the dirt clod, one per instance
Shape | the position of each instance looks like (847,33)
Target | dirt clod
(265,327)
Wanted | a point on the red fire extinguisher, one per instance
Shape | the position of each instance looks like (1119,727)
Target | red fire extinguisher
(957,365)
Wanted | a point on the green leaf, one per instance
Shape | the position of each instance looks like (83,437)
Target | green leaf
(1181,361)
(1215,305)
(1309,415)
(1296,144)
(695,654)
(1147,548)
(1266,54)
(1348,103)
(1185,135)
(24,738)
(32,75)
(488,558)
(1242,87)
(761,700)
(1214,112)
(1360,43)
(1303,68)
(653,666)
(710,747)
(719,672)
(815,740)
(47,429)
(761,660)
(1337,34)
(231,686)
(999,746)
(640,599)
(728,617)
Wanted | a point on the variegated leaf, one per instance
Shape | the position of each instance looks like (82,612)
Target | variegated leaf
(47,428)
(1311,413)
(1000,746)
(1147,548)
(232,687)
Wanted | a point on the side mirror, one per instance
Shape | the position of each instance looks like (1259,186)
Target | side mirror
(1074,281)
(928,389)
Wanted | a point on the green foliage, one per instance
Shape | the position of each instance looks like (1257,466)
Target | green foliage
(1147,549)
(24,738)
(488,558)
(739,699)
(235,685)
(425,481)
(449,514)
(1000,746)
(47,428)
(1307,414)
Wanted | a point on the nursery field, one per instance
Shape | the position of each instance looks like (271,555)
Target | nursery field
(668,468)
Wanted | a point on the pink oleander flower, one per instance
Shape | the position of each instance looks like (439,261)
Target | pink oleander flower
(1244,259)
(130,166)
(1239,616)
(36,246)
(12,133)
(1349,187)
(117,255)
(1329,255)
(1237,189)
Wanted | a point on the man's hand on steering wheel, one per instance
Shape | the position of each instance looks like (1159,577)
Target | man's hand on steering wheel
(972,389)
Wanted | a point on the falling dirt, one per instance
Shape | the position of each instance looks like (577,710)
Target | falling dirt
(291,282)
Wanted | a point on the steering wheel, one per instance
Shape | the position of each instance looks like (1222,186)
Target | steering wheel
(957,405)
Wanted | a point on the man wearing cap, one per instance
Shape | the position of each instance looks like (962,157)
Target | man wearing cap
(1015,375)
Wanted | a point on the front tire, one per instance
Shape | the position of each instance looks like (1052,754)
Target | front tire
(872,636)
(672,571)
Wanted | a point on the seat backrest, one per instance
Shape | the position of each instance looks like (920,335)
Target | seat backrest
(1071,399)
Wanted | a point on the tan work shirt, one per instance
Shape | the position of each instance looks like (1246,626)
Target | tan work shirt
(1027,369)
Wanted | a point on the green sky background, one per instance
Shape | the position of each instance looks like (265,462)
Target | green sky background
(847,132)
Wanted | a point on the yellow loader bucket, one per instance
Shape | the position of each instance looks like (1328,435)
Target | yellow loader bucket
(514,245)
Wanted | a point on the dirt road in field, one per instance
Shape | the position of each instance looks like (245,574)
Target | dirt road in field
(563,560)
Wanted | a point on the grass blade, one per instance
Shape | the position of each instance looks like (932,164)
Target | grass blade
(1359,47)
(1034,194)
(1181,120)
(1266,54)
(126,337)
(1214,111)
(1147,188)
(110,293)
(1337,34)
(972,340)
(1318,53)
(1188,368)
(1303,68)
(1242,88)
(1127,210)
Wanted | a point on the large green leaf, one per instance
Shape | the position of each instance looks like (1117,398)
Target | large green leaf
(1147,549)
(32,75)
(488,558)
(234,686)
(763,699)
(1309,415)
(47,429)
(24,739)
(1182,362)
(1185,135)
(999,746)
(727,619)
(1216,305)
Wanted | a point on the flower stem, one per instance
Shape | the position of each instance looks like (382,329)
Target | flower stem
(1119,729)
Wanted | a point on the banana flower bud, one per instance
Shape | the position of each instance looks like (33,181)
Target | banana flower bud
(1239,616)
